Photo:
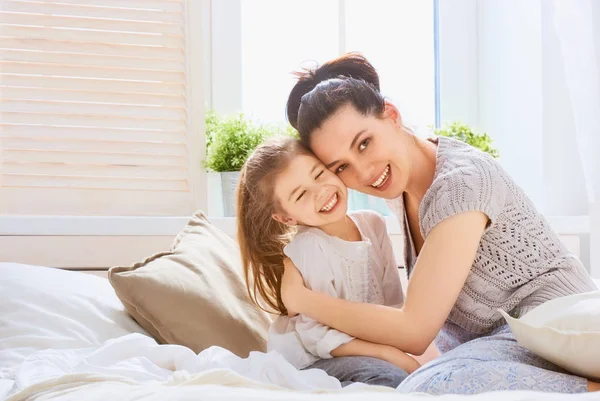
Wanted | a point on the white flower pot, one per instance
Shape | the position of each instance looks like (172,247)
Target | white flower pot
(214,195)
(222,193)
(228,185)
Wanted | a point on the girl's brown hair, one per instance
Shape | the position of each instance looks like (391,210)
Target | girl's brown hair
(261,238)
(320,92)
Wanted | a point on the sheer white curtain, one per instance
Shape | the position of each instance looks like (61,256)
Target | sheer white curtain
(577,25)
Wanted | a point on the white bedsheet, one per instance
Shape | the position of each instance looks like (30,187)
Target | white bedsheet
(134,367)
(63,310)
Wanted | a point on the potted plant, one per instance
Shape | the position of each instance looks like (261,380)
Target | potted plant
(464,133)
(229,142)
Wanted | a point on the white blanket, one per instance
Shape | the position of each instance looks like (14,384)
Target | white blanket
(134,367)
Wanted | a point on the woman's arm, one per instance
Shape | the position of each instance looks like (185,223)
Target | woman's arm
(392,355)
(430,354)
(439,275)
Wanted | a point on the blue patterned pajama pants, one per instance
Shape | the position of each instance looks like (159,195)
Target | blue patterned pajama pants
(472,364)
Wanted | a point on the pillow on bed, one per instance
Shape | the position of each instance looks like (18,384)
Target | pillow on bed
(194,295)
(42,308)
(564,331)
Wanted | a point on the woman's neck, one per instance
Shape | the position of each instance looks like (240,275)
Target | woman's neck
(423,169)
(344,228)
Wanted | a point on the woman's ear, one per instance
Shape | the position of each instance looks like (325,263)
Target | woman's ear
(390,111)
(284,219)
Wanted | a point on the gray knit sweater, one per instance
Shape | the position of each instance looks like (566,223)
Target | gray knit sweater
(520,263)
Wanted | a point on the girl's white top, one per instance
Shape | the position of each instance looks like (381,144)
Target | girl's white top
(361,271)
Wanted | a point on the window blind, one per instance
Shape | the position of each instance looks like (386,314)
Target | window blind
(94,108)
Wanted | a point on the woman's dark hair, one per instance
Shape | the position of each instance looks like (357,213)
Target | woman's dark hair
(321,92)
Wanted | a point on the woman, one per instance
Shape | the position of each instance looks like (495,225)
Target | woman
(474,242)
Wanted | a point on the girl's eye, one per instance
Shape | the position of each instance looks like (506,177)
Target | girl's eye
(363,145)
(341,168)
(318,175)
(301,195)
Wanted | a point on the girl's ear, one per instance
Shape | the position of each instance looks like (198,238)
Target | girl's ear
(284,219)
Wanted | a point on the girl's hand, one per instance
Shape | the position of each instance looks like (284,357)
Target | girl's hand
(386,353)
(292,287)
(399,358)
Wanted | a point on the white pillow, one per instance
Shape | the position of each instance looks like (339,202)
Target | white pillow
(42,308)
(564,331)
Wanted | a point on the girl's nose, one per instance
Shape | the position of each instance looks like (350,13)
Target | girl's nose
(320,191)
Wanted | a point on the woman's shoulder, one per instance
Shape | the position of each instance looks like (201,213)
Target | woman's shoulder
(458,162)
(466,179)
(456,158)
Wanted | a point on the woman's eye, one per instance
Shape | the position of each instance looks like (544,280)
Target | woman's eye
(363,145)
(318,175)
(301,195)
(341,168)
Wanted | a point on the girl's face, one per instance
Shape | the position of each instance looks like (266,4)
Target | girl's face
(369,154)
(309,194)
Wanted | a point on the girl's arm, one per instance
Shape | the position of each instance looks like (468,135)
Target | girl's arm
(387,353)
(441,270)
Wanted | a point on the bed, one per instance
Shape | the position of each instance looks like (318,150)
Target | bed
(73,340)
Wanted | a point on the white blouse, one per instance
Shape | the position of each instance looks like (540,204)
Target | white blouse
(362,271)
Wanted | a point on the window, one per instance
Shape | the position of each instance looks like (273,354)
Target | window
(397,37)
(279,37)
(97,112)
(276,42)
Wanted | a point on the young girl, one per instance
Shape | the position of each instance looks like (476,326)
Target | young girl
(291,209)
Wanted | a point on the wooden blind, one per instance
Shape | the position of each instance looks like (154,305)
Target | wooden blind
(93,108)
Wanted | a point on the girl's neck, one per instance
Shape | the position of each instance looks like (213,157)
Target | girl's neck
(344,229)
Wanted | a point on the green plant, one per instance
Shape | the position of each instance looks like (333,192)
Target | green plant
(212,122)
(231,139)
(464,133)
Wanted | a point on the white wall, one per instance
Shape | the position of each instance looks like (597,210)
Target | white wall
(564,184)
(459,82)
(226,55)
(510,87)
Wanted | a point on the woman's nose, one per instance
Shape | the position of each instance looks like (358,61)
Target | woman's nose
(365,173)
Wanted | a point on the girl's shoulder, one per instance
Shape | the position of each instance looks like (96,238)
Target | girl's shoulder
(308,241)
(308,236)
(369,221)
(311,252)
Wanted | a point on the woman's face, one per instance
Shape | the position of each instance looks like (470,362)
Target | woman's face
(369,154)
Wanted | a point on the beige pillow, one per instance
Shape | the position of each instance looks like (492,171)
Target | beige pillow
(564,331)
(194,295)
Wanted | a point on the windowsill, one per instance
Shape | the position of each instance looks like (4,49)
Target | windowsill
(166,226)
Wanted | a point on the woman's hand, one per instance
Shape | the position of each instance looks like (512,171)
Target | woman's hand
(292,287)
